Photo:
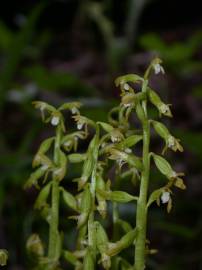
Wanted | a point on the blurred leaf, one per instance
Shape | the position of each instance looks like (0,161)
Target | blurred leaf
(176,229)
(191,140)
(56,81)
(6,37)
(16,52)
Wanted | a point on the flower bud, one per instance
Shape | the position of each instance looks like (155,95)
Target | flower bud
(35,246)
(161,129)
(3,257)
(179,183)
(163,165)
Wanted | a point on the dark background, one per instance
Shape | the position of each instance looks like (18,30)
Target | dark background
(58,51)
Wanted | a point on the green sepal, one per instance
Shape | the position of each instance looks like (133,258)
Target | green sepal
(69,199)
(127,240)
(155,195)
(124,225)
(128,78)
(35,176)
(117,196)
(41,200)
(71,258)
(76,157)
(69,106)
(60,171)
(130,141)
(107,127)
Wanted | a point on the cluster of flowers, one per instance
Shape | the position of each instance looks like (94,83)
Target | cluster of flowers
(110,150)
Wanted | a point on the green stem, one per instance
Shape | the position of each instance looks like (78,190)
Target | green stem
(91,225)
(53,231)
(141,216)
(115,210)
(54,222)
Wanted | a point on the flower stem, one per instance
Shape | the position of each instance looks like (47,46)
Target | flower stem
(53,229)
(91,225)
(141,215)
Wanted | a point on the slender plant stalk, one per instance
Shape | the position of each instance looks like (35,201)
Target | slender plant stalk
(53,231)
(115,209)
(91,225)
(141,216)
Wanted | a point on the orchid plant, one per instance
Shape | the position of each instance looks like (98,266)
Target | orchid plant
(108,160)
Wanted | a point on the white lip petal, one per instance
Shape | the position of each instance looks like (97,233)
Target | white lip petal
(55,120)
(68,143)
(126,87)
(171,141)
(165,197)
(79,126)
(74,110)
(158,69)
(127,105)
(113,139)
